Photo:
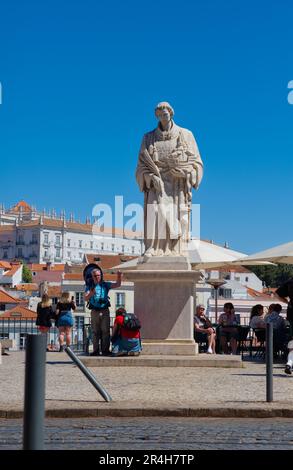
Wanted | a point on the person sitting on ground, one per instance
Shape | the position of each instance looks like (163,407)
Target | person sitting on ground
(203,330)
(228,328)
(126,334)
(65,320)
(289,365)
(257,317)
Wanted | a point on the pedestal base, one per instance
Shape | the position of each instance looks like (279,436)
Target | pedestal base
(163,300)
(169,348)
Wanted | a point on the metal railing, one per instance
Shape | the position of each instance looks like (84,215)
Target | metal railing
(17,329)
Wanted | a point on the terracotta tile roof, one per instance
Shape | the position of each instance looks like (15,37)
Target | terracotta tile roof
(44,267)
(116,232)
(268,290)
(58,224)
(257,294)
(27,287)
(21,205)
(54,291)
(79,227)
(73,276)
(5,265)
(19,312)
(5,298)
(13,270)
(108,261)
(7,228)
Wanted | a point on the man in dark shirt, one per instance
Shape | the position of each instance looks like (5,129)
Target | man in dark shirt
(285,292)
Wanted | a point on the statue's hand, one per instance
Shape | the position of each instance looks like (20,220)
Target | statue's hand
(157,183)
(193,179)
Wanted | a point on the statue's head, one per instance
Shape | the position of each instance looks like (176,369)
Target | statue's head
(164,111)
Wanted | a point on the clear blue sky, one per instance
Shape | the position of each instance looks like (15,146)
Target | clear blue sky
(80,82)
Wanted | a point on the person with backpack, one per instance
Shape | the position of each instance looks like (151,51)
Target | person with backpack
(98,302)
(126,334)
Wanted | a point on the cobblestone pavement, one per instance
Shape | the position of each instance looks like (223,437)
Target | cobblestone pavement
(157,434)
(66,387)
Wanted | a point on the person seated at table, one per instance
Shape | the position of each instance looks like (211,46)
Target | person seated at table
(279,325)
(257,317)
(203,330)
(228,328)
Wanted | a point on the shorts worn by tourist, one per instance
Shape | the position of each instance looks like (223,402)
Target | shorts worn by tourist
(65,319)
(201,337)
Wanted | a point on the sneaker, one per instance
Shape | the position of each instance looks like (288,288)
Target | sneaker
(288,369)
(133,353)
(61,349)
(210,351)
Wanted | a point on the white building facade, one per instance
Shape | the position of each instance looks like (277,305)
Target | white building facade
(41,239)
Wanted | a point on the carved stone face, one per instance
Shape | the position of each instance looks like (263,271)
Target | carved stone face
(164,116)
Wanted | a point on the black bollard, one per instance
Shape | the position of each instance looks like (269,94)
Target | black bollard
(269,361)
(91,378)
(34,393)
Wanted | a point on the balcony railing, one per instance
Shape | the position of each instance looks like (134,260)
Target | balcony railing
(34,242)
(19,242)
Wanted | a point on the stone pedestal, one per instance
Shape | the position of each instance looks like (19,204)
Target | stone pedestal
(163,300)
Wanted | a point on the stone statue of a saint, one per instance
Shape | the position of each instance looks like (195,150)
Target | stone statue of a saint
(169,166)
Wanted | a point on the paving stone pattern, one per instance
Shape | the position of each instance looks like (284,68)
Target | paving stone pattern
(66,387)
(157,434)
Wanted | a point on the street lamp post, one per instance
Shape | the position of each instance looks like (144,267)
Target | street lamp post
(216,283)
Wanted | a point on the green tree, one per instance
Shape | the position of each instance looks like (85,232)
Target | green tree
(273,276)
(26,274)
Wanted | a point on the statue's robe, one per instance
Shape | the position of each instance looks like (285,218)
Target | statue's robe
(174,158)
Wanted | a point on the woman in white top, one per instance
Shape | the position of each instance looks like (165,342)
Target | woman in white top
(257,317)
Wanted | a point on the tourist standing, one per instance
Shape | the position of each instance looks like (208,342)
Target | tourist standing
(65,320)
(99,304)
(44,314)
